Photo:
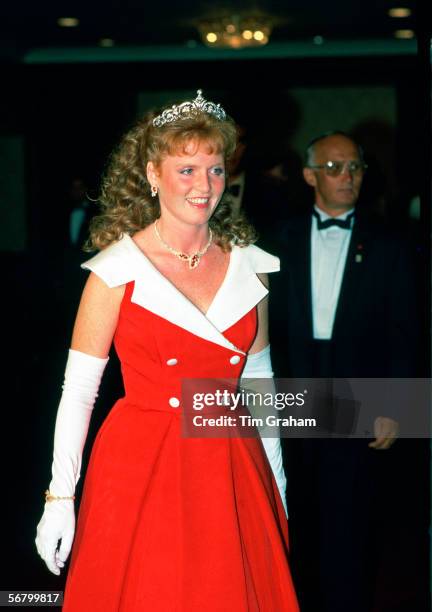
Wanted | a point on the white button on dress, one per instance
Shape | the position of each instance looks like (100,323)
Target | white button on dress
(174,402)
(172,361)
(235,359)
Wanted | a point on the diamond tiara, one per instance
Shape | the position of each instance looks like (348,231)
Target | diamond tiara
(189,109)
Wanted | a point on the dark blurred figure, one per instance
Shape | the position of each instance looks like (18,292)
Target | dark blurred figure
(263,174)
(261,198)
(344,306)
(80,209)
(380,193)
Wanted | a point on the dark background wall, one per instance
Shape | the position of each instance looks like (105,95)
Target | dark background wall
(59,120)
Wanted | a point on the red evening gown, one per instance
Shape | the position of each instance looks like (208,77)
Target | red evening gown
(169,523)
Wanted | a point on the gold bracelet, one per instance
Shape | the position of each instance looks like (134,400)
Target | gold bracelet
(50,498)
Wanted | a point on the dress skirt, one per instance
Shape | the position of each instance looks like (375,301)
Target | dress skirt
(170,523)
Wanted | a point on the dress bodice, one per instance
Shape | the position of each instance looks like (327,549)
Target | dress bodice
(163,338)
(157,355)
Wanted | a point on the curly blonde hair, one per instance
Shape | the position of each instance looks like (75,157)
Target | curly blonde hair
(125,200)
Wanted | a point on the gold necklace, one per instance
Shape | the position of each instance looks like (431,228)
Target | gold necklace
(194,259)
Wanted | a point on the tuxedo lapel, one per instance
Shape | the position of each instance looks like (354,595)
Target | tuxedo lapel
(353,280)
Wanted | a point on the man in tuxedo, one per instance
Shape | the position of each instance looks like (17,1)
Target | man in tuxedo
(254,192)
(343,306)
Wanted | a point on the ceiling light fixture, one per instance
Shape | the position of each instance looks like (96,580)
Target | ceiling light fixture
(404,34)
(68,22)
(399,12)
(236,31)
(106,42)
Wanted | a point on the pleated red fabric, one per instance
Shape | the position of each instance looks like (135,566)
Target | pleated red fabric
(169,523)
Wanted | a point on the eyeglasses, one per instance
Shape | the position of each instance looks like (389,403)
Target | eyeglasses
(336,168)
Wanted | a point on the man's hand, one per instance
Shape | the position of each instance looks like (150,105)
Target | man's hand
(386,431)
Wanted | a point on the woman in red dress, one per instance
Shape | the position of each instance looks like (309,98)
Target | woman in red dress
(168,522)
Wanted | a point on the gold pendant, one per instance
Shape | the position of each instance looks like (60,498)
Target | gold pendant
(194,261)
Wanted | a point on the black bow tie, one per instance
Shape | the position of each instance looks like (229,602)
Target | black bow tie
(343,223)
(234,190)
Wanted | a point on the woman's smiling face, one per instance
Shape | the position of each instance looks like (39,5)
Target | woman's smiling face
(190,185)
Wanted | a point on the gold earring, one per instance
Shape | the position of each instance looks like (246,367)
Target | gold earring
(154,191)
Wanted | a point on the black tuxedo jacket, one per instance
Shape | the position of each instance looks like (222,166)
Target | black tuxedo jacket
(266,205)
(375,332)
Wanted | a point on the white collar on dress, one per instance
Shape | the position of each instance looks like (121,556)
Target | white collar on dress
(239,292)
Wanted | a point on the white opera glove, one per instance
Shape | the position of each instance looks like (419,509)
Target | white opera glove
(81,384)
(258,366)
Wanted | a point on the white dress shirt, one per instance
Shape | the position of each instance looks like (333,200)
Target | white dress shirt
(329,248)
